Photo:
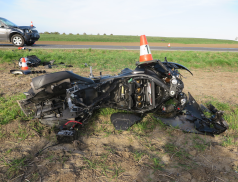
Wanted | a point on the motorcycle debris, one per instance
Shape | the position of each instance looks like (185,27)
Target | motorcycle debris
(26,72)
(193,120)
(66,136)
(122,121)
(31,61)
(48,66)
(22,48)
(36,72)
(20,72)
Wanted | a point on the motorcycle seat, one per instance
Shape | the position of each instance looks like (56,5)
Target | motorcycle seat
(44,80)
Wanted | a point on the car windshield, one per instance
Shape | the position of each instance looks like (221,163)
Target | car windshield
(8,23)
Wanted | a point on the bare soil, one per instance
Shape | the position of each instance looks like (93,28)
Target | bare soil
(135,44)
(167,154)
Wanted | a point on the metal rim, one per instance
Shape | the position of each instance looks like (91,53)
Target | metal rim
(17,40)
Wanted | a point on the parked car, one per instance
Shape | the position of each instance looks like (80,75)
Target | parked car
(18,35)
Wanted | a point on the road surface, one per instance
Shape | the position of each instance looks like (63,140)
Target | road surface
(113,47)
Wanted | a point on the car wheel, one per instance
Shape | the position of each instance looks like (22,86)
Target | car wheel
(17,40)
(30,43)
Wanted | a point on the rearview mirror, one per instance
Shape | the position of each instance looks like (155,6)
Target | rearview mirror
(2,26)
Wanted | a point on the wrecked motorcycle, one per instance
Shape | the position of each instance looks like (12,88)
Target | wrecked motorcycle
(63,97)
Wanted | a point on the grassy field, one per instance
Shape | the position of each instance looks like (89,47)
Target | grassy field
(105,153)
(122,38)
(113,60)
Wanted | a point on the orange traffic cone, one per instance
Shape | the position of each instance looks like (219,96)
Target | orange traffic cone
(145,54)
(23,65)
(31,24)
(169,45)
(19,48)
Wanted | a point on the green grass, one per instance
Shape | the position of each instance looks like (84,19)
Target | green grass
(9,109)
(20,133)
(37,127)
(138,155)
(148,124)
(199,143)
(157,164)
(116,60)
(123,38)
(230,115)
(15,166)
(229,140)
(175,151)
(104,166)
(107,111)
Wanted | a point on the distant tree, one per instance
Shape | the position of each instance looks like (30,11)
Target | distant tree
(84,33)
(77,33)
(54,33)
(70,34)
(63,34)
(104,34)
(98,34)
(46,32)
(111,34)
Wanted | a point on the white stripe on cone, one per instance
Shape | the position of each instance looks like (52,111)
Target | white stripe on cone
(24,63)
(144,49)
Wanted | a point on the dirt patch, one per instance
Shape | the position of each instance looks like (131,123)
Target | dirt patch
(103,154)
(205,84)
(164,154)
(135,44)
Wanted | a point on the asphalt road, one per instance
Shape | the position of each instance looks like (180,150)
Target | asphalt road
(50,46)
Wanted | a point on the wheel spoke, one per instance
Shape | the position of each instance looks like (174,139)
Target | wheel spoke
(17,40)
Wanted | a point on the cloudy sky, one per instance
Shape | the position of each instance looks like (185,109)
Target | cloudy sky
(168,18)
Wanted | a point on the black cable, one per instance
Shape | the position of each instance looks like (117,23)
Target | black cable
(44,149)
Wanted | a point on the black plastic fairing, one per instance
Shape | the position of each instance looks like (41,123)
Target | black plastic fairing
(179,66)
(122,121)
(44,80)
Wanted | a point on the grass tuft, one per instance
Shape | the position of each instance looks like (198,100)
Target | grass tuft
(9,109)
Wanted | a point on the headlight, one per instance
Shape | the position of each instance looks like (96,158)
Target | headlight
(26,31)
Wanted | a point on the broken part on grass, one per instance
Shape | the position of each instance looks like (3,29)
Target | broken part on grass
(153,86)
(34,61)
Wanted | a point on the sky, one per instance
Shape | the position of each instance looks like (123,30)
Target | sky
(217,19)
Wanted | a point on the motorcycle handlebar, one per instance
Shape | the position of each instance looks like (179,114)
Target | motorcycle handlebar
(163,66)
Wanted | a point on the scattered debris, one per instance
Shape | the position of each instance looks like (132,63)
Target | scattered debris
(67,135)
(48,66)
(22,48)
(26,72)
(36,72)
(31,61)
(20,72)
